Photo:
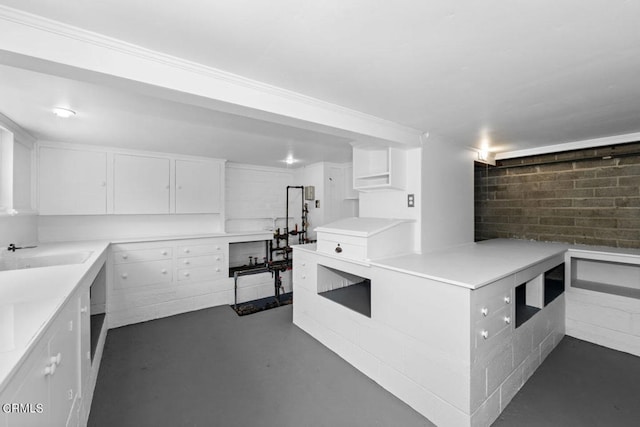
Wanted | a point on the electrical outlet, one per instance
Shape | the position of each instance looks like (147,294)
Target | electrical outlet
(317,203)
(411,200)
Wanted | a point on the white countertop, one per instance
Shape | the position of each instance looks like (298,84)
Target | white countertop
(234,236)
(471,265)
(32,297)
(474,265)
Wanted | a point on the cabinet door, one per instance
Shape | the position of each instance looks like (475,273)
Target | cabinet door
(198,186)
(63,350)
(32,390)
(141,185)
(72,182)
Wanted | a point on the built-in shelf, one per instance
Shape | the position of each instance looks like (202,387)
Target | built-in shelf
(622,291)
(524,312)
(97,323)
(347,289)
(553,283)
(379,167)
(608,276)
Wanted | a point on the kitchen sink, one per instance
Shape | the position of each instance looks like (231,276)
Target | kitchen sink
(18,263)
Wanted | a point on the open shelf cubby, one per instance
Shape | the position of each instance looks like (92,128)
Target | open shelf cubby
(346,289)
(524,312)
(553,283)
(609,277)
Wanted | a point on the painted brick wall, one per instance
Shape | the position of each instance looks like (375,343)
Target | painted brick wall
(589,196)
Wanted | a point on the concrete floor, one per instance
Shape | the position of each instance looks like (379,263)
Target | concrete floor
(213,368)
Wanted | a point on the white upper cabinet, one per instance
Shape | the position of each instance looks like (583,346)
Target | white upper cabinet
(198,186)
(72,182)
(141,184)
(379,168)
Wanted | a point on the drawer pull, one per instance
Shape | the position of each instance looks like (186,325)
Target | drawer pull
(338,249)
(83,309)
(485,334)
(50,369)
(217,270)
(186,274)
(125,256)
(304,277)
(507,320)
(163,271)
(164,253)
(304,264)
(55,360)
(507,299)
(186,250)
(124,275)
(217,248)
(217,258)
(484,311)
(187,262)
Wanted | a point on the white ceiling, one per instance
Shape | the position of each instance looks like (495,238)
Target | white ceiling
(526,74)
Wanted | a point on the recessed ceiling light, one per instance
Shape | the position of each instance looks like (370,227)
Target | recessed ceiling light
(290,160)
(64,113)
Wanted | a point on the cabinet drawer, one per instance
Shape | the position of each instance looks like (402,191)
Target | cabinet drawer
(201,261)
(491,305)
(137,255)
(487,329)
(142,274)
(344,250)
(201,273)
(199,249)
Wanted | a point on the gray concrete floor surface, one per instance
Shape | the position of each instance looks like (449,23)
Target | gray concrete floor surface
(214,368)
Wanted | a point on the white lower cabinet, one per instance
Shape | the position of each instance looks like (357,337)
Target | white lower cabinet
(149,280)
(46,386)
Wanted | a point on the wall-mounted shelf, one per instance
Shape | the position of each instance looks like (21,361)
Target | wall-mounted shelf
(379,168)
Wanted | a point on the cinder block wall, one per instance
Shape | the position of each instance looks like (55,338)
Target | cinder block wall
(589,196)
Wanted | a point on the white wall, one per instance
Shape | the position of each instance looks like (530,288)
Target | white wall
(52,228)
(447,195)
(21,230)
(329,182)
(255,197)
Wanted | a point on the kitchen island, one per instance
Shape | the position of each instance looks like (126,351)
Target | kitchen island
(453,333)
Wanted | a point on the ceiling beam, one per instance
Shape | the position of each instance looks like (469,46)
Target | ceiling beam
(34,40)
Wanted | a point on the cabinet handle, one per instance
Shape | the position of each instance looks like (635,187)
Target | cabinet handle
(50,369)
(217,270)
(125,256)
(124,275)
(217,248)
(187,274)
(164,253)
(187,250)
(338,249)
(83,309)
(217,258)
(507,320)
(485,334)
(304,264)
(507,299)
(304,277)
(55,360)
(103,184)
(163,271)
(484,311)
(187,262)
